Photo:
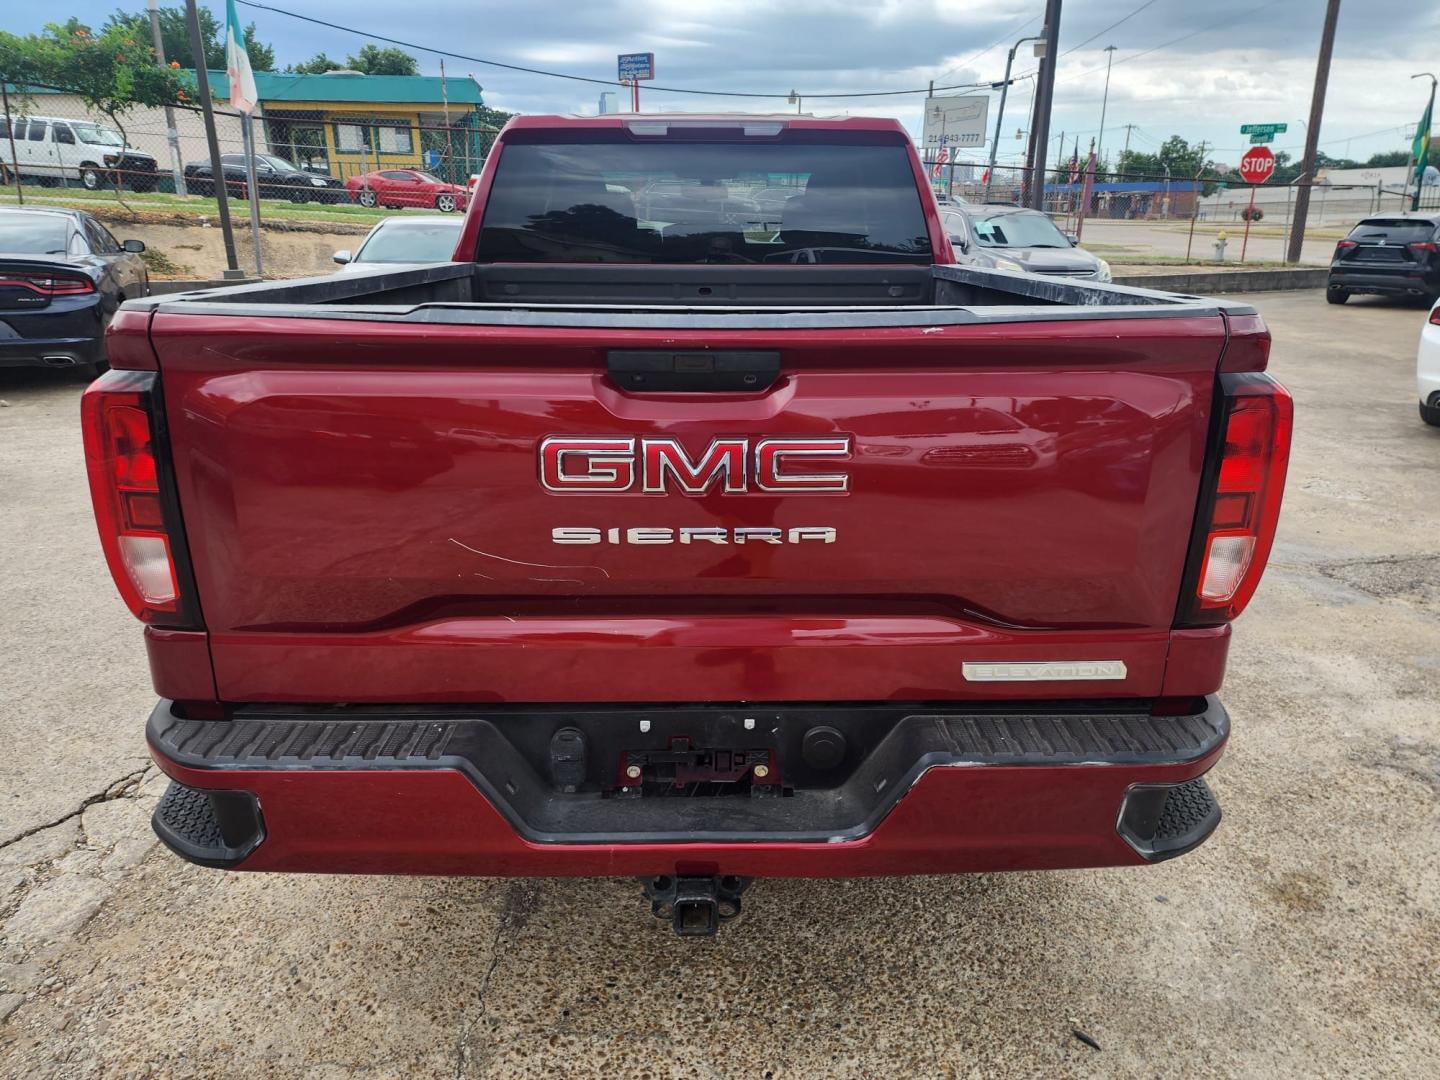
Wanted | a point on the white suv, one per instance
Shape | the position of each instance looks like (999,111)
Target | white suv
(54,148)
(1427,368)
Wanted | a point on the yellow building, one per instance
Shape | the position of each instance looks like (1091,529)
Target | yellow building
(346,123)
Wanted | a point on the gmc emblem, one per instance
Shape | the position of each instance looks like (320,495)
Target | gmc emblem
(607,465)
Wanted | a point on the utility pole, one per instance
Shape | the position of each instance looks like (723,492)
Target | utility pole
(1104,101)
(1312,130)
(1000,116)
(172,136)
(217,169)
(1044,95)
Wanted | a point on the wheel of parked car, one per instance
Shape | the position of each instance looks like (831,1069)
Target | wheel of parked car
(1430,414)
(445,203)
(367,197)
(1336,296)
(91,177)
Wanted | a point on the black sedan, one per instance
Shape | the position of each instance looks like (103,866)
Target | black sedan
(275,178)
(62,275)
(1395,255)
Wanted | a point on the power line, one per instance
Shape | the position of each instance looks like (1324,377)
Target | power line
(1107,29)
(995,44)
(649,87)
(1175,41)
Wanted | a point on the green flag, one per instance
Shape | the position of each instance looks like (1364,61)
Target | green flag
(1420,149)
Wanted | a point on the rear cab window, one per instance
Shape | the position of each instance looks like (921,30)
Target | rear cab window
(698,196)
(1393,231)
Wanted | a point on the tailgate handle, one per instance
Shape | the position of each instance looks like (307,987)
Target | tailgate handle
(700,371)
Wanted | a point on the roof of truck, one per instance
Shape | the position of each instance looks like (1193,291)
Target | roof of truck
(791,120)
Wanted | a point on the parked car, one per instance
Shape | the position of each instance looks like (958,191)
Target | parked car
(407,187)
(400,241)
(1395,255)
(62,275)
(1427,368)
(275,178)
(52,149)
(607,550)
(1014,238)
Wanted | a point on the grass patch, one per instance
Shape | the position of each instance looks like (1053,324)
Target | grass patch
(194,205)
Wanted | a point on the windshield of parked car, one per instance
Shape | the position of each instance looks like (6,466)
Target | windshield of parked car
(96,135)
(279,164)
(412,241)
(609,198)
(33,234)
(427,178)
(1394,231)
(1018,230)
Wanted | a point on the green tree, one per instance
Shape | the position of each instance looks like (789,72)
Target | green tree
(175,36)
(493,118)
(373,60)
(112,71)
(316,65)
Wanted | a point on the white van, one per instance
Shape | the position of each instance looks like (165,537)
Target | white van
(53,148)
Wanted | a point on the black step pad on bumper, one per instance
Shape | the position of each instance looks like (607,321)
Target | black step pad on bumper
(505,751)
(212,828)
(1161,822)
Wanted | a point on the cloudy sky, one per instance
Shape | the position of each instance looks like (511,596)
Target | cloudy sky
(1180,67)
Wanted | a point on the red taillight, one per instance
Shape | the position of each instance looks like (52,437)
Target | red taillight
(1435,315)
(1246,504)
(1425,245)
(48,286)
(1343,244)
(125,487)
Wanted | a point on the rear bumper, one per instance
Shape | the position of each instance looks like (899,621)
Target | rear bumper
(1384,283)
(459,792)
(70,331)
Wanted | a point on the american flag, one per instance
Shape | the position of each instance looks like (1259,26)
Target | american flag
(940,160)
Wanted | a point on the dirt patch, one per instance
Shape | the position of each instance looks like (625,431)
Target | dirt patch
(1412,578)
(1300,892)
(196,249)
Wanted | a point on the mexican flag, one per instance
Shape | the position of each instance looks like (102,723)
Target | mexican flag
(237,63)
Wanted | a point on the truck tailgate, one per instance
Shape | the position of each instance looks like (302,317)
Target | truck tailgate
(364,506)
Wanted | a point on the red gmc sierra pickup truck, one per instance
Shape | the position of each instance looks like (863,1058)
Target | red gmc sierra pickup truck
(699,522)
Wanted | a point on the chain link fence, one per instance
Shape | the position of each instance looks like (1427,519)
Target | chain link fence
(1141,197)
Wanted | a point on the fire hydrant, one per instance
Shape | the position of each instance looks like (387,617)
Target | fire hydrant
(1220,246)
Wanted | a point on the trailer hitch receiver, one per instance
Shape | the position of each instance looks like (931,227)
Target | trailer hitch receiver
(696,906)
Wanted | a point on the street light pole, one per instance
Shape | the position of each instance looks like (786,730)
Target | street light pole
(1104,101)
(1000,117)
(1430,122)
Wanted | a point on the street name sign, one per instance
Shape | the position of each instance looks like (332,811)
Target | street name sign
(1263,133)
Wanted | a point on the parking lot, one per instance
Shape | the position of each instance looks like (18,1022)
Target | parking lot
(1303,938)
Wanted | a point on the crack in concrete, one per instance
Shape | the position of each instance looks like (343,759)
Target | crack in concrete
(116,790)
(512,919)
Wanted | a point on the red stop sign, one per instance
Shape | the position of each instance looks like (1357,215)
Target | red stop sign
(1258,165)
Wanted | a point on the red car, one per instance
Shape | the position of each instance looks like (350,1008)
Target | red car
(406,187)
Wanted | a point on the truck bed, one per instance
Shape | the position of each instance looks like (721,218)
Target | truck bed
(644,295)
